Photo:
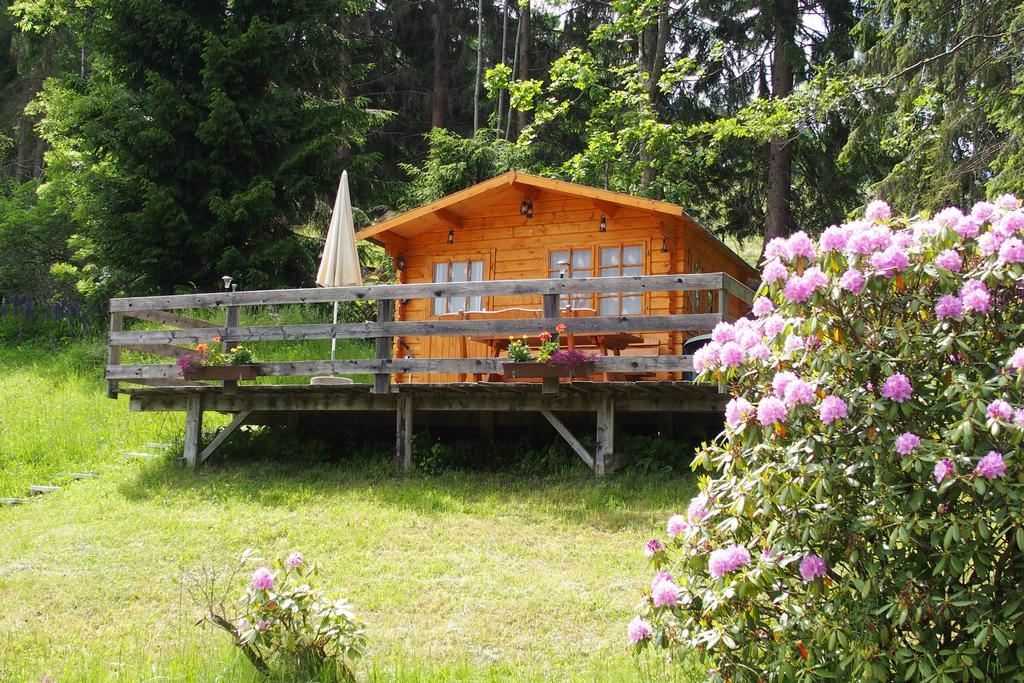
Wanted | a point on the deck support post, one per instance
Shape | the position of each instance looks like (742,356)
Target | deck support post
(193,429)
(487,425)
(114,352)
(573,442)
(237,421)
(551,310)
(385,345)
(403,435)
(605,433)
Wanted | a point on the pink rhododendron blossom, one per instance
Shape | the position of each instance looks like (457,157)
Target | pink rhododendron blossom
(1000,409)
(725,560)
(991,466)
(1007,202)
(698,508)
(773,325)
(949,306)
(776,249)
(706,356)
(780,381)
(950,260)
(983,211)
(891,261)
(653,546)
(797,289)
(878,211)
(812,567)
(943,469)
(1018,417)
(799,244)
(262,625)
(968,228)
(771,410)
(676,525)
(723,332)
(262,579)
(774,271)
(834,238)
(1017,359)
(897,388)
(758,352)
(949,217)
(975,296)
(832,408)
(989,243)
(294,560)
(659,577)
(852,280)
(794,342)
(665,594)
(731,355)
(1011,223)
(762,306)
(799,392)
(1011,251)
(737,411)
(906,443)
(768,555)
(638,629)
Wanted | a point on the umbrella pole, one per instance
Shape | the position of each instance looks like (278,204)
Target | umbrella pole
(334,339)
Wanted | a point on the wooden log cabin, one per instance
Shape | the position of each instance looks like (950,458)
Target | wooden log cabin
(519,226)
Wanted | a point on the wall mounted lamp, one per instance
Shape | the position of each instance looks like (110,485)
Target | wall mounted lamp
(451,235)
(227,280)
(664,245)
(400,262)
(526,208)
(603,224)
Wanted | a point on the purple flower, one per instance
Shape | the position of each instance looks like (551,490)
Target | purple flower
(852,280)
(968,227)
(906,443)
(725,560)
(676,525)
(832,408)
(1000,409)
(949,217)
(990,242)
(991,466)
(706,356)
(797,290)
(723,332)
(897,388)
(773,271)
(975,296)
(1018,418)
(653,546)
(294,560)
(731,355)
(638,629)
(812,567)
(665,594)
(949,306)
(799,392)
(1007,202)
(762,306)
(780,381)
(569,359)
(889,262)
(950,260)
(1011,251)
(659,577)
(834,238)
(943,469)
(799,244)
(771,410)
(773,325)
(737,411)
(262,625)
(1017,359)
(878,211)
(262,579)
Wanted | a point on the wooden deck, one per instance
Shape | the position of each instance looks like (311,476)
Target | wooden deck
(162,389)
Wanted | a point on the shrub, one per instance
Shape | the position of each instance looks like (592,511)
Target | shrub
(866,519)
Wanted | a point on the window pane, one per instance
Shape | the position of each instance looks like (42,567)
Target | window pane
(610,272)
(460,271)
(554,274)
(632,270)
(440,272)
(632,255)
(609,306)
(609,256)
(631,305)
(556,257)
(581,259)
(476,271)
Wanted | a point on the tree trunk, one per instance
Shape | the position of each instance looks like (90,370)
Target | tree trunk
(438,94)
(504,58)
(479,63)
(779,213)
(651,61)
(524,57)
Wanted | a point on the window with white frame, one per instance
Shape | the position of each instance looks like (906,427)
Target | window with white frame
(458,271)
(574,263)
(621,261)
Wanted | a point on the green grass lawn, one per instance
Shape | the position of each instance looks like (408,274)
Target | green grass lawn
(459,576)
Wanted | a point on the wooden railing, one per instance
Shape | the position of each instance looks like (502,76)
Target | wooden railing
(188,330)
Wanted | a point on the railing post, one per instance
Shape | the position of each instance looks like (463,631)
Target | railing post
(114,352)
(723,300)
(385,345)
(551,310)
(232,318)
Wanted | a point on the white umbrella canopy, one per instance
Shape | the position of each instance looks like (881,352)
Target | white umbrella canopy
(339,264)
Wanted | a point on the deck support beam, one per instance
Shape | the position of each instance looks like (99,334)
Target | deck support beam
(569,438)
(551,310)
(605,433)
(193,429)
(384,345)
(403,434)
(237,421)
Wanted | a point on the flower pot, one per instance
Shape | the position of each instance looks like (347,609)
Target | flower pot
(533,370)
(224,372)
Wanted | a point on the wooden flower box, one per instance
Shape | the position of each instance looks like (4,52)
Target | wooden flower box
(534,369)
(223,372)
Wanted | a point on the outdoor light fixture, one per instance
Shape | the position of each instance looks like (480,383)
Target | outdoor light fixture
(526,208)
(563,269)
(227,280)
(603,225)
(451,235)
(664,245)
(400,261)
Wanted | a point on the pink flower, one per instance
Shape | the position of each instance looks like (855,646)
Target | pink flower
(989,243)
(897,388)
(1007,202)
(949,217)
(262,625)
(638,629)
(762,306)
(737,411)
(731,355)
(975,296)
(834,238)
(799,244)
(991,466)
(773,325)
(950,260)
(659,577)
(968,227)
(1017,359)
(1011,251)
(771,410)
(799,392)
(949,306)
(776,249)
(676,525)
(812,567)
(262,579)
(982,211)
(832,408)
(697,510)
(852,280)
(665,594)
(797,290)
(1000,409)
(653,546)
(773,271)
(889,262)
(780,381)
(706,356)
(1011,223)
(294,560)
(878,211)
(725,560)
(906,443)
(723,332)
(943,469)
(1018,418)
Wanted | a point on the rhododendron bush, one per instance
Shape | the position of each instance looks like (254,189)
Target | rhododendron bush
(865,519)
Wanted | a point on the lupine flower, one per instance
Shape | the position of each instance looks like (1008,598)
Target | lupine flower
(773,271)
(638,629)
(878,211)
(852,280)
(725,560)
(799,392)
(1017,359)
(676,525)
(731,355)
(949,306)
(906,443)
(771,410)
(991,466)
(762,306)
(1000,409)
(737,411)
(697,510)
(950,260)
(832,408)
(1011,251)
(780,381)
(294,560)
(975,296)
(665,594)
(812,567)
(897,388)
(653,546)
(943,469)
(262,579)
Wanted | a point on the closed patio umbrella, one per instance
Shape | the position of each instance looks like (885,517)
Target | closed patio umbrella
(339,265)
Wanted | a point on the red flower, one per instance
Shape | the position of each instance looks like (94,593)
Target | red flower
(560,328)
(544,336)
